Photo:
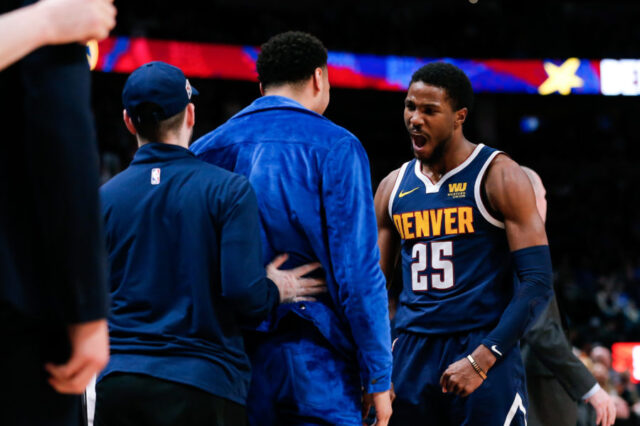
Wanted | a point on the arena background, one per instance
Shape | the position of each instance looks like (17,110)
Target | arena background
(584,147)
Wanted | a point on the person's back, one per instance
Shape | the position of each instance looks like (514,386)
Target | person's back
(283,149)
(312,181)
(291,169)
(162,221)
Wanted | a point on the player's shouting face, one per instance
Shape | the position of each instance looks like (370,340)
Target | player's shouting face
(430,120)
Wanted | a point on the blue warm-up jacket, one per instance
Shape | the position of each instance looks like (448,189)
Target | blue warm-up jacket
(313,184)
(185,264)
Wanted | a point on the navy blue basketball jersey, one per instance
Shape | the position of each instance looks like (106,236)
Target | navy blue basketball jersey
(456,264)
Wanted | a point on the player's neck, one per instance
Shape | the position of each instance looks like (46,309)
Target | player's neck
(452,155)
(181,139)
(301,95)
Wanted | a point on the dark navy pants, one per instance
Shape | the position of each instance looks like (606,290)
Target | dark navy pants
(418,363)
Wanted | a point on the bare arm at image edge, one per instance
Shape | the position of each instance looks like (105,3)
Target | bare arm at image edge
(53,22)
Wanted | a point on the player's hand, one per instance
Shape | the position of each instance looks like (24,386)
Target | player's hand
(604,406)
(381,402)
(68,21)
(290,282)
(89,355)
(460,378)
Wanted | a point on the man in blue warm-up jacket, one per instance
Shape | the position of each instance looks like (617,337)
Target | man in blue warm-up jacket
(185,267)
(312,181)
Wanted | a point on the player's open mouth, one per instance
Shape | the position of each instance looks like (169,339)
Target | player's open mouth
(418,140)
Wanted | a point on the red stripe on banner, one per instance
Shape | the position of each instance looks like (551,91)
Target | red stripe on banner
(344,77)
(195,59)
(531,71)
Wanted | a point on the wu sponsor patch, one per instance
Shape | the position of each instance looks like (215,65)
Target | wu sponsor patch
(155,176)
(457,190)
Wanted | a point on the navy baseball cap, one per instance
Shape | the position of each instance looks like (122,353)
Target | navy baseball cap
(157,83)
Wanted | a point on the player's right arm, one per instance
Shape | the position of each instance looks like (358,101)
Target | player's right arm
(388,238)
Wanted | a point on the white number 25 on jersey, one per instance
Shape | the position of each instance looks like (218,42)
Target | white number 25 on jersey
(443,275)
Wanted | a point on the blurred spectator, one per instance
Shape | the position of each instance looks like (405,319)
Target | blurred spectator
(602,355)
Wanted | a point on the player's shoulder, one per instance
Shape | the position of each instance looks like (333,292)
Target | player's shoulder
(506,182)
(116,183)
(213,174)
(503,168)
(207,141)
(389,180)
(220,184)
(318,130)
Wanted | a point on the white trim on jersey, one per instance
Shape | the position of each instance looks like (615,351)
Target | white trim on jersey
(431,187)
(517,404)
(476,193)
(396,186)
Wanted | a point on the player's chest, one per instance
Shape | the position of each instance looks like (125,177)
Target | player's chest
(420,211)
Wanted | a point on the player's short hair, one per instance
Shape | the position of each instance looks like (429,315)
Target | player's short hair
(450,78)
(289,58)
(153,130)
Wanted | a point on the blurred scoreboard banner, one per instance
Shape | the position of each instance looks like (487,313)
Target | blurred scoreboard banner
(626,357)
(620,77)
(361,71)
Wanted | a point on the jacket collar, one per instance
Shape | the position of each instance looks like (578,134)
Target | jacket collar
(275,102)
(154,152)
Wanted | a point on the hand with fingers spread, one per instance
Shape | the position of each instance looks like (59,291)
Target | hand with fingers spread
(605,408)
(291,283)
(89,355)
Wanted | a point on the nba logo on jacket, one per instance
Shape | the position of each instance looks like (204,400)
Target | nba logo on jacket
(155,176)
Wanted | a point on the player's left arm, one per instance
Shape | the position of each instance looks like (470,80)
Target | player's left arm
(510,193)
(355,259)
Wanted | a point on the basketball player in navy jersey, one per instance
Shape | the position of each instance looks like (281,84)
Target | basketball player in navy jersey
(464,218)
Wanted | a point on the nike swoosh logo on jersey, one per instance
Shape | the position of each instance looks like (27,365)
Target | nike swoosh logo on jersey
(494,348)
(402,194)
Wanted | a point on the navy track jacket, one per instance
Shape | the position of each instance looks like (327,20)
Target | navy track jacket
(185,263)
(313,184)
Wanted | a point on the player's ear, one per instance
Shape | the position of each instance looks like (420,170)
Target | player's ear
(461,116)
(191,115)
(127,122)
(261,89)
(318,82)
